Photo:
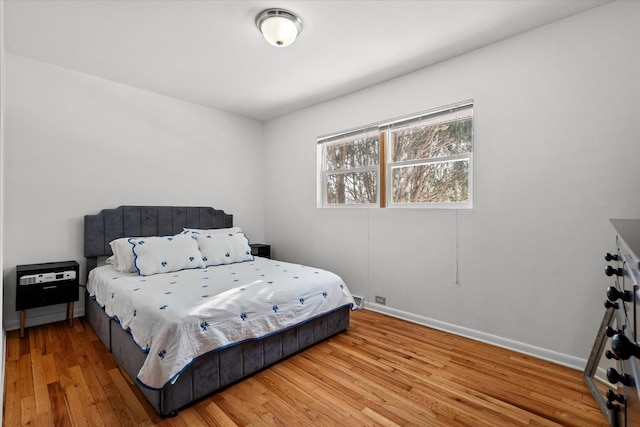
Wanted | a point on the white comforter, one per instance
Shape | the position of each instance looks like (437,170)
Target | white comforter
(179,316)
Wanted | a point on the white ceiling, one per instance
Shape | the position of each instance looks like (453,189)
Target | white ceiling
(211,53)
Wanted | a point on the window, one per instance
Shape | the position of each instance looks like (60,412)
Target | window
(423,160)
(351,166)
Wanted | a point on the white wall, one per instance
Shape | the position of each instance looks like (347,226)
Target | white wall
(3,338)
(557,153)
(75,144)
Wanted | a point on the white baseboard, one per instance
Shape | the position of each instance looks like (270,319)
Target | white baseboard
(538,352)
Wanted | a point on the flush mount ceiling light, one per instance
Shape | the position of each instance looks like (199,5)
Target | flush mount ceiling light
(279,26)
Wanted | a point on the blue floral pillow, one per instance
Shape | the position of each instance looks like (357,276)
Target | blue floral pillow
(122,258)
(154,255)
(224,248)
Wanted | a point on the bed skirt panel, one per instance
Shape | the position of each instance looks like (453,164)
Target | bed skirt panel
(99,321)
(217,369)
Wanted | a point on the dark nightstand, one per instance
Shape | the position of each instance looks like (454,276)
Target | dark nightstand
(39,285)
(260,249)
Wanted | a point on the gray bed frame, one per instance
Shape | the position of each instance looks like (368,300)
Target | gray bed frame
(212,371)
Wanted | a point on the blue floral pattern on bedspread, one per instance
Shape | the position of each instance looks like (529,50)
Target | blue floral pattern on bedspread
(169,315)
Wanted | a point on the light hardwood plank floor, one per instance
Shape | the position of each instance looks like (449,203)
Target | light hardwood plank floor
(383,371)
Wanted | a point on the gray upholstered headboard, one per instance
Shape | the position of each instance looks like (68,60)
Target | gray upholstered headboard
(143,221)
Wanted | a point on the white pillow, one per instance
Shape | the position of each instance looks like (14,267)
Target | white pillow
(224,248)
(122,259)
(166,254)
(213,230)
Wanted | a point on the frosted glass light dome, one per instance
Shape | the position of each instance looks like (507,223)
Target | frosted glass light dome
(279,27)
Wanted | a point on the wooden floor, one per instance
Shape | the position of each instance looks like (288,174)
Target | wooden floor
(382,371)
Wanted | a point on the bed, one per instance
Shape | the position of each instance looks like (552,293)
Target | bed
(171,382)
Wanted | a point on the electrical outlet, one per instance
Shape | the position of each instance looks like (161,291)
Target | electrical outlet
(381,300)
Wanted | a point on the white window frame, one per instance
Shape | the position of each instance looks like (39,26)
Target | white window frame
(384,129)
(433,205)
(440,115)
(340,138)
